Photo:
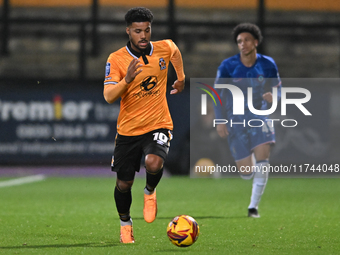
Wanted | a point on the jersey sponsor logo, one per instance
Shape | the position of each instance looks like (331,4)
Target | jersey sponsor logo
(107,69)
(162,64)
(147,93)
(147,87)
(148,83)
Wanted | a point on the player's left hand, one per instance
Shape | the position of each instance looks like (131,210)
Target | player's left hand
(268,97)
(178,87)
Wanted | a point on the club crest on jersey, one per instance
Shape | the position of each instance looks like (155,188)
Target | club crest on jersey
(162,63)
(148,83)
(260,77)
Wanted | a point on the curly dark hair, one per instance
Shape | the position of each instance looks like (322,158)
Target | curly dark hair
(138,14)
(249,28)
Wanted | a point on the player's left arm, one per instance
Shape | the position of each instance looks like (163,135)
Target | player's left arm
(178,87)
(275,83)
(177,62)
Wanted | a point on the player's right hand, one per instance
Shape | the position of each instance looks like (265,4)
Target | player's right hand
(222,130)
(133,71)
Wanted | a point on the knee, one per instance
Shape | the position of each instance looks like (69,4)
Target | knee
(246,171)
(247,176)
(153,163)
(124,186)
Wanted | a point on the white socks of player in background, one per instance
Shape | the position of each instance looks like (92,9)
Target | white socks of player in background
(259,182)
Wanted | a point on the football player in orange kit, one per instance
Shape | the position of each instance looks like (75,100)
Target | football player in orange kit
(137,73)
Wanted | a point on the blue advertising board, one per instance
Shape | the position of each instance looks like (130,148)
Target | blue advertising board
(56,124)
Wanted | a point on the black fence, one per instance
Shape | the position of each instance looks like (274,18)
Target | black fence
(88,28)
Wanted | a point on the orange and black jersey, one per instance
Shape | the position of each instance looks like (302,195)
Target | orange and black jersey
(143,105)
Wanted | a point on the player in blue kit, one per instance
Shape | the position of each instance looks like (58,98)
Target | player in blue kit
(246,142)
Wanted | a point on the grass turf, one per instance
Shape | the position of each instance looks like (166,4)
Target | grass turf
(78,216)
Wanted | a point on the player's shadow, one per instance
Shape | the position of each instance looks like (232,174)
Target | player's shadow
(92,245)
(197,217)
(175,250)
(220,217)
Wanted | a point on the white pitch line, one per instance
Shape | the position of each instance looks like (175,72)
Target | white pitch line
(22,180)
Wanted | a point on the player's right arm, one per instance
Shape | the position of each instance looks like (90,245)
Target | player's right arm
(114,90)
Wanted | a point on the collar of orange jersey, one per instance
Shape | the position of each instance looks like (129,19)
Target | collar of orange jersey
(147,51)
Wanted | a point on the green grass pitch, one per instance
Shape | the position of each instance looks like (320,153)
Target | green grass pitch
(78,216)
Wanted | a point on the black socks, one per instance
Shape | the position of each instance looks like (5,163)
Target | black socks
(123,203)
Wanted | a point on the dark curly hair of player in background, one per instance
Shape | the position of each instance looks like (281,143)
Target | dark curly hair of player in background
(138,14)
(249,28)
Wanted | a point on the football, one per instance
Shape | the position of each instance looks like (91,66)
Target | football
(183,230)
